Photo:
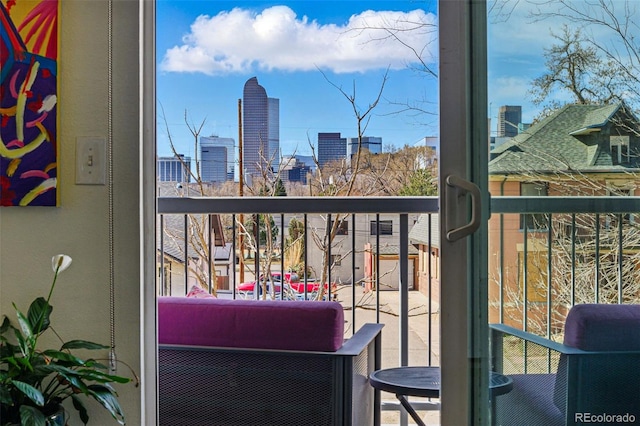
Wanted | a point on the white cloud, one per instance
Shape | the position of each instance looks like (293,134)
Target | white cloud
(241,40)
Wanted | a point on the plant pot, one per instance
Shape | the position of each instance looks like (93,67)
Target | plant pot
(56,418)
(59,418)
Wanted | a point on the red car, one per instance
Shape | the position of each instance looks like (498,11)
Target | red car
(292,282)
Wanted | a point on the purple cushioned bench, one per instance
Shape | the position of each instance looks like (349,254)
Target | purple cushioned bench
(596,371)
(250,362)
(259,324)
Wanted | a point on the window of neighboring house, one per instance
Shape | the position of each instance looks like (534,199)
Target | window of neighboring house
(386,227)
(619,149)
(536,275)
(534,221)
(336,260)
(343,227)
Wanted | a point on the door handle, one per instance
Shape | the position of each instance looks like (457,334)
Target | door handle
(462,187)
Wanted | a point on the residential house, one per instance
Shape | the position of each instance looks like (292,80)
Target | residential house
(580,150)
(172,263)
(425,237)
(365,230)
(171,243)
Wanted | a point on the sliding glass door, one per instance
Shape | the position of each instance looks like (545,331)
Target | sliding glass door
(464,210)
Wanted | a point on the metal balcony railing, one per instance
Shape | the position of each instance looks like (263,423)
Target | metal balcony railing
(370,231)
(545,255)
(548,254)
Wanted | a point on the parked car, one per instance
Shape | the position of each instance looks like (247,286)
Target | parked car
(293,287)
(289,277)
(247,290)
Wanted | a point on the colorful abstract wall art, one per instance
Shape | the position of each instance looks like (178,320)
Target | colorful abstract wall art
(28,102)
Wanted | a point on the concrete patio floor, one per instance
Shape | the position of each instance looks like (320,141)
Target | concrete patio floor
(419,341)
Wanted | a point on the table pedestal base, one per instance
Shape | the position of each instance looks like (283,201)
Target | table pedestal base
(414,415)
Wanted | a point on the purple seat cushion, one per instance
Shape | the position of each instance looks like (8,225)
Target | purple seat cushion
(258,324)
(530,402)
(599,327)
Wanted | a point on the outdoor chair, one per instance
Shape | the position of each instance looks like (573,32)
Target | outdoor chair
(263,363)
(594,377)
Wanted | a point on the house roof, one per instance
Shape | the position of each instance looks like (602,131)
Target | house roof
(566,141)
(419,234)
(174,237)
(392,250)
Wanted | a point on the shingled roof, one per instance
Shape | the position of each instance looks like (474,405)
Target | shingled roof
(419,234)
(573,139)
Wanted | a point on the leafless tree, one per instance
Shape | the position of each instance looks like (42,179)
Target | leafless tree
(341,181)
(575,67)
(400,32)
(198,253)
(607,32)
(260,233)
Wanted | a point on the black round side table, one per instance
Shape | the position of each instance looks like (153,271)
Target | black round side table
(424,382)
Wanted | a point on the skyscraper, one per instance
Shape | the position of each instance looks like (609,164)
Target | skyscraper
(509,117)
(294,169)
(172,169)
(260,129)
(371,143)
(212,167)
(331,147)
(431,154)
(274,133)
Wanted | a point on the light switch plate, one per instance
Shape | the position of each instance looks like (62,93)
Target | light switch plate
(90,160)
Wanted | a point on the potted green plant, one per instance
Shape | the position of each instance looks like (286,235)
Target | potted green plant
(34,382)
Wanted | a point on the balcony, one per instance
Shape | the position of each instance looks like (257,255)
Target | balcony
(380,256)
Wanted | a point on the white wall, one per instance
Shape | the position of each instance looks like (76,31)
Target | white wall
(342,246)
(79,227)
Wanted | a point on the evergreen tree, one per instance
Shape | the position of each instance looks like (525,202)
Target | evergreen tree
(421,183)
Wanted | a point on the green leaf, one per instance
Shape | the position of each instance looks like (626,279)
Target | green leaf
(31,416)
(107,398)
(92,363)
(38,315)
(83,344)
(47,369)
(23,343)
(6,325)
(82,410)
(102,377)
(5,395)
(65,357)
(12,361)
(75,381)
(24,364)
(32,393)
(7,350)
(24,324)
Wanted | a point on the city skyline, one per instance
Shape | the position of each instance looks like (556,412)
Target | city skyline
(209,88)
(306,52)
(214,161)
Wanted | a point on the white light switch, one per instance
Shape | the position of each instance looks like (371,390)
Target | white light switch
(90,160)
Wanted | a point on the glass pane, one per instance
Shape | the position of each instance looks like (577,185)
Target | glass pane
(564,100)
(259,103)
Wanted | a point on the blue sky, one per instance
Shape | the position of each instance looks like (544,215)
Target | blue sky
(206,50)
